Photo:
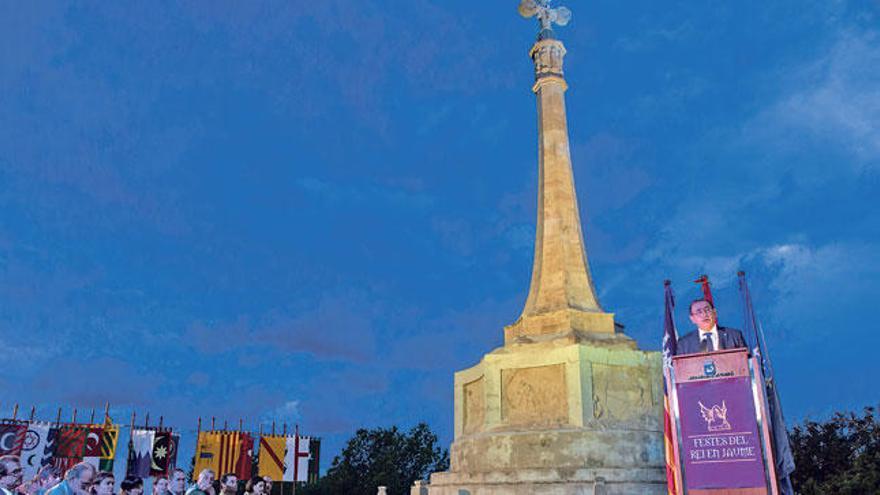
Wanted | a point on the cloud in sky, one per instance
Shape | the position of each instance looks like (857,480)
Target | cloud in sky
(834,99)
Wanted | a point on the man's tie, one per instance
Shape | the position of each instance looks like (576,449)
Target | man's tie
(708,346)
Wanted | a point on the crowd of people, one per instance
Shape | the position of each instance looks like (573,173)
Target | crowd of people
(84,479)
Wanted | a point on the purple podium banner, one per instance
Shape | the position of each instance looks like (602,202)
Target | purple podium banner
(720,439)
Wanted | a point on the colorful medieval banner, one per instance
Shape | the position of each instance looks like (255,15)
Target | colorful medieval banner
(296,459)
(244,465)
(92,450)
(230,448)
(34,448)
(109,438)
(207,453)
(164,453)
(140,453)
(12,438)
(272,452)
(69,445)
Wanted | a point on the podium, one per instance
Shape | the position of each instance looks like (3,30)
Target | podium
(720,425)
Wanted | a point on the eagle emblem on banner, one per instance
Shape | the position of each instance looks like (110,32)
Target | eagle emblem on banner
(715,416)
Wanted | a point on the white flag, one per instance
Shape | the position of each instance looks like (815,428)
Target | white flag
(296,459)
(35,441)
(142,452)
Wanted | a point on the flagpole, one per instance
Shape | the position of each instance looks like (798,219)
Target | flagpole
(781,447)
(33,413)
(15,412)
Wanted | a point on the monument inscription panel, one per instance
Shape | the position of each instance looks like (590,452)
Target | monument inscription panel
(621,392)
(474,406)
(534,396)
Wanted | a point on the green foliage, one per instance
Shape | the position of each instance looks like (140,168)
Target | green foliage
(382,457)
(839,456)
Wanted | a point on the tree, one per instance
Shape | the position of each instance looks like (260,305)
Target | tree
(382,457)
(839,456)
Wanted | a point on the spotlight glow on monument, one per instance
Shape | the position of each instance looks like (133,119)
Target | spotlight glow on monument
(569,404)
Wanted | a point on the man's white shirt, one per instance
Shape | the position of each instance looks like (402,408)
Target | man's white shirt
(713,334)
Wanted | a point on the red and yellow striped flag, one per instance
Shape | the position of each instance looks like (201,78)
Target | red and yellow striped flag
(669,348)
(230,448)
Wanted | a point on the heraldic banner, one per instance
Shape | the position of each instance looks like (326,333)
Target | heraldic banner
(722,437)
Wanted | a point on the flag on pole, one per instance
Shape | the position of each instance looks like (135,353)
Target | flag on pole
(70,442)
(296,459)
(48,455)
(207,453)
(163,453)
(707,290)
(92,450)
(230,448)
(140,453)
(12,438)
(35,440)
(109,438)
(782,455)
(272,453)
(244,465)
(670,344)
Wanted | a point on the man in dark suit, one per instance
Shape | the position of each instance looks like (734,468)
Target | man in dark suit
(708,336)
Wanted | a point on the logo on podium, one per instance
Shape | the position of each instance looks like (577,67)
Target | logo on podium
(715,416)
(709,368)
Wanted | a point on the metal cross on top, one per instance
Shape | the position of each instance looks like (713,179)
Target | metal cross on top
(546,14)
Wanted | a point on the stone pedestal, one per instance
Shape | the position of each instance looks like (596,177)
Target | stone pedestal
(568,416)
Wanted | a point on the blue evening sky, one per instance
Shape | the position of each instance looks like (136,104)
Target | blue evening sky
(317,211)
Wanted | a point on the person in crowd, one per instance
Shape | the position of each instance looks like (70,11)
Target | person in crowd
(11,474)
(708,336)
(228,484)
(255,486)
(104,484)
(177,483)
(160,485)
(268,480)
(132,485)
(47,477)
(204,484)
(77,480)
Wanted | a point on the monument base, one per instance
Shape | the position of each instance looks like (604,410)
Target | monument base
(554,462)
(547,482)
(579,415)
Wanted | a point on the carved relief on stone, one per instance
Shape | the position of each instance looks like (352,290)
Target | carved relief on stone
(548,58)
(474,406)
(534,396)
(621,392)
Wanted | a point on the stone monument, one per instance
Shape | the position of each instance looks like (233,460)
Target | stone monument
(569,404)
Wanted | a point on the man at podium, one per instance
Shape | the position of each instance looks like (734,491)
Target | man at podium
(708,336)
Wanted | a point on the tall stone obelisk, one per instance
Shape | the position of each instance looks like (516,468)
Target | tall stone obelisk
(569,404)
